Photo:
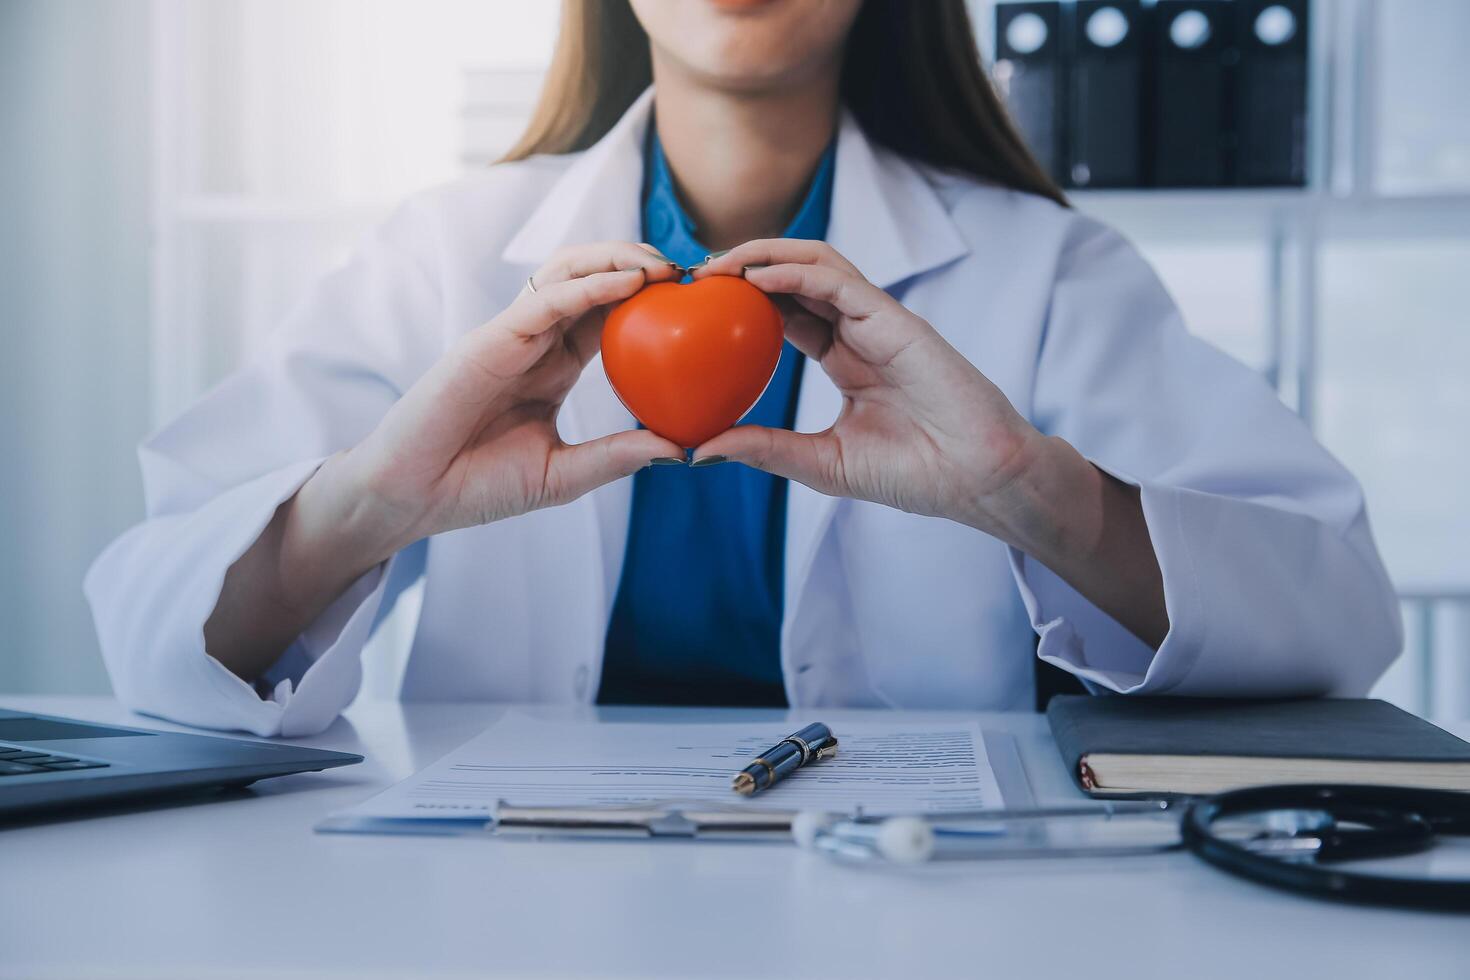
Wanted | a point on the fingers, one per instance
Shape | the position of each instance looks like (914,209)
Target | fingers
(774,251)
(585,334)
(807,458)
(575,282)
(575,470)
(535,313)
(576,261)
(815,273)
(809,332)
(579,279)
(846,292)
(662,257)
(823,310)
(494,355)
(584,337)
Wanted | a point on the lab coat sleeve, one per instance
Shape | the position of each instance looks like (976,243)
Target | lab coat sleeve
(1272,581)
(215,476)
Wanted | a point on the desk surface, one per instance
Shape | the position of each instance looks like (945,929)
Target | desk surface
(242,886)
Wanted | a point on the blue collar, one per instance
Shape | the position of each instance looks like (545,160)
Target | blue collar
(668,227)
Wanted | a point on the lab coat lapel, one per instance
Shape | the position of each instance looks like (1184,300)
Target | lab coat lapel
(595,200)
(889,222)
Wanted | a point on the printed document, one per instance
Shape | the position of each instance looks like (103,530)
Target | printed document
(881,766)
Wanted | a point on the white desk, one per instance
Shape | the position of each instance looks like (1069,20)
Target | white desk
(242,886)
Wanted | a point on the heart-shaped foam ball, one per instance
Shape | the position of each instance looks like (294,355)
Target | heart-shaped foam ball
(689,360)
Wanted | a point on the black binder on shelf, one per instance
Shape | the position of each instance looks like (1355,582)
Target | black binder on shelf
(1271,93)
(1105,111)
(1030,70)
(1177,93)
(1194,93)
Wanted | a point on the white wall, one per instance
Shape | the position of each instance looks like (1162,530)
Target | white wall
(74,313)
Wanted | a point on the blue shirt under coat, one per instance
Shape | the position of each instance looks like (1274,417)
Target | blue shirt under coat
(697,618)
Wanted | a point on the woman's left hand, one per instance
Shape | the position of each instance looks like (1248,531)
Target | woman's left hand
(920,429)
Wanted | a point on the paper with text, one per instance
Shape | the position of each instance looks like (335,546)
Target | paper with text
(882,767)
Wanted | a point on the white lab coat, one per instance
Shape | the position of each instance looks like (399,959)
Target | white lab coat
(1271,577)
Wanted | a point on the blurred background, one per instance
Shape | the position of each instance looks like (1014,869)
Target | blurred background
(175,173)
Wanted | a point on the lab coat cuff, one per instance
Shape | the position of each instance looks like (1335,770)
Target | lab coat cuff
(321,671)
(1080,638)
(215,697)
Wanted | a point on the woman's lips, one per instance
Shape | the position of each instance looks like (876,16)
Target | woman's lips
(743,4)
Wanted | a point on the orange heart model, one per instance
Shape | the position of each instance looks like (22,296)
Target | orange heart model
(689,360)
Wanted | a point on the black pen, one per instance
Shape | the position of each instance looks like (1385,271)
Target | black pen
(812,744)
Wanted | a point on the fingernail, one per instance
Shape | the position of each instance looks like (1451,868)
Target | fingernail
(661,255)
(709,460)
(666,461)
(708,259)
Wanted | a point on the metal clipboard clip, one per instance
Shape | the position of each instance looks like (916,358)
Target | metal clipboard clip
(692,821)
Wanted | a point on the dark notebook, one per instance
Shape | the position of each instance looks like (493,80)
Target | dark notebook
(1124,746)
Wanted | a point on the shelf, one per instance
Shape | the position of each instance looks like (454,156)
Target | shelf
(1244,213)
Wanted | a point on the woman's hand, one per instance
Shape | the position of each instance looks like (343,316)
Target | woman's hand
(475,439)
(921,429)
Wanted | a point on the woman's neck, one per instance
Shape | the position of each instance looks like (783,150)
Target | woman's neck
(742,161)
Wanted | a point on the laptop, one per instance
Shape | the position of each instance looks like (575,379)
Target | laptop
(48,762)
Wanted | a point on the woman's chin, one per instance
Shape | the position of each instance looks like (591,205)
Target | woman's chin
(749,65)
(748,45)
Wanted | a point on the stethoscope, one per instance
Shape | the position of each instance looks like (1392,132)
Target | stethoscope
(1294,838)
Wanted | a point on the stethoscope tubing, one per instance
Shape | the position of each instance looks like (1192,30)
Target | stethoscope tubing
(1402,821)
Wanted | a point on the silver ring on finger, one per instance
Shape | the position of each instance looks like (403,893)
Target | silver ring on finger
(531,283)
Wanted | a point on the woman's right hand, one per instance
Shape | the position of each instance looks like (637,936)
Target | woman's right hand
(475,439)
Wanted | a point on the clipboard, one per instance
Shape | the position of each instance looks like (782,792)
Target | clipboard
(682,821)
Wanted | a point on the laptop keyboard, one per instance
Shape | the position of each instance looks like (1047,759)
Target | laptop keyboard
(20,760)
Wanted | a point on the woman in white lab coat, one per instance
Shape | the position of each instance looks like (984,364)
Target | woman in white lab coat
(1004,430)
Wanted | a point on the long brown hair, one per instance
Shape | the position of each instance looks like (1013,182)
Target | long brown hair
(911,75)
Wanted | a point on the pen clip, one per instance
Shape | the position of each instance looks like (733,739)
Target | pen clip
(825,751)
